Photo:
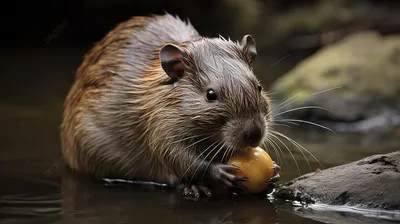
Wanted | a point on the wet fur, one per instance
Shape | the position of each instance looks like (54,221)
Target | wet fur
(124,118)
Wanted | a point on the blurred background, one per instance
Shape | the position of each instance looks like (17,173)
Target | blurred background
(306,48)
(302,47)
(295,29)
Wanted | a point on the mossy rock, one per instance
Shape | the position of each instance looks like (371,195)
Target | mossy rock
(364,69)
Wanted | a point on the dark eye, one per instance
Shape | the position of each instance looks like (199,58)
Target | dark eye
(259,88)
(211,95)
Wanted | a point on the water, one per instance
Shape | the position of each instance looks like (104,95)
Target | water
(35,187)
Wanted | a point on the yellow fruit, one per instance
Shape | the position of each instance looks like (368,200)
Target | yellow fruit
(256,165)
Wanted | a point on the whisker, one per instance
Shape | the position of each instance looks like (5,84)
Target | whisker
(286,102)
(197,159)
(284,122)
(195,143)
(198,167)
(298,145)
(326,90)
(301,108)
(225,153)
(183,139)
(279,150)
(270,93)
(301,151)
(276,147)
(307,122)
(180,135)
(284,125)
(264,145)
(287,148)
(171,143)
(280,60)
(211,160)
(232,151)
(278,157)
(283,104)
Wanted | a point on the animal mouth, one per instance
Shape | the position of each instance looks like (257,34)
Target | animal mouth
(244,134)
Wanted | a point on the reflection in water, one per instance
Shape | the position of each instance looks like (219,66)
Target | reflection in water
(21,207)
(86,201)
(79,199)
(33,200)
(82,200)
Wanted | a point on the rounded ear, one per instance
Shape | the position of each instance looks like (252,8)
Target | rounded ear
(170,58)
(249,44)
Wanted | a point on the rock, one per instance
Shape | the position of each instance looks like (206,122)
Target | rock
(364,72)
(372,182)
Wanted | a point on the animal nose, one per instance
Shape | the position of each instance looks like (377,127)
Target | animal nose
(253,133)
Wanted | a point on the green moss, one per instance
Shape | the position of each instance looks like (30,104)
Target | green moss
(365,65)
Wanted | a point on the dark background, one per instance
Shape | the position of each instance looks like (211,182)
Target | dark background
(43,42)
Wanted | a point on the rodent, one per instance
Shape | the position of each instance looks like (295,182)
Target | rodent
(153,98)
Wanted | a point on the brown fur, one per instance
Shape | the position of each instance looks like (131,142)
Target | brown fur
(124,118)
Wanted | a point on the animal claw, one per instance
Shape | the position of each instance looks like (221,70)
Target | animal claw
(194,192)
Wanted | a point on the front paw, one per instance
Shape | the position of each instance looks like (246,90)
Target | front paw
(275,178)
(194,192)
(272,181)
(223,173)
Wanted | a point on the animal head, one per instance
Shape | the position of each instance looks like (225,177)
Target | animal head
(220,96)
